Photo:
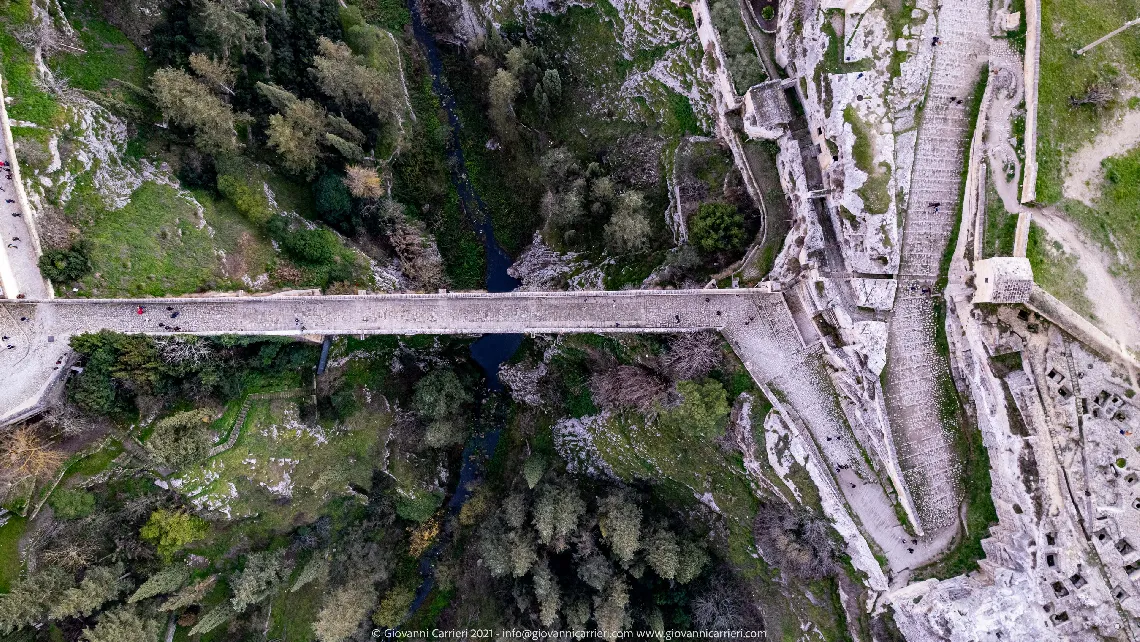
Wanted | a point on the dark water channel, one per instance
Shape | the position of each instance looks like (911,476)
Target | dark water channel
(491,350)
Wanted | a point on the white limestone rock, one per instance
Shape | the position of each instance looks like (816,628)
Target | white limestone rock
(877,294)
(963,610)
(870,340)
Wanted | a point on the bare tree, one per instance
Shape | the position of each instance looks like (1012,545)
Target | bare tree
(693,355)
(798,542)
(72,553)
(419,255)
(1098,95)
(183,351)
(363,182)
(718,609)
(66,420)
(627,386)
(25,455)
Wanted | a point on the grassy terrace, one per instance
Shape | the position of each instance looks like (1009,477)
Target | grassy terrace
(10,563)
(274,456)
(29,102)
(1112,223)
(1067,25)
(1056,271)
(876,193)
(1000,226)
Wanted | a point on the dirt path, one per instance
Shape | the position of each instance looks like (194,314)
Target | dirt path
(1084,176)
(1116,310)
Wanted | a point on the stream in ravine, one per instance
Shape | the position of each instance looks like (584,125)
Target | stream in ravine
(491,350)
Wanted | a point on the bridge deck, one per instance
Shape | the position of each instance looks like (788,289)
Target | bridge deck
(39,330)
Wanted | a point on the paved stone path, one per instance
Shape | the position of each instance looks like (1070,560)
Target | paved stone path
(19,255)
(916,371)
(16,242)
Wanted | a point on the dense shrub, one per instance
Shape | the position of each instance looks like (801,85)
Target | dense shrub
(315,247)
(717,227)
(702,412)
(71,503)
(419,507)
(65,266)
(171,531)
(334,203)
(252,203)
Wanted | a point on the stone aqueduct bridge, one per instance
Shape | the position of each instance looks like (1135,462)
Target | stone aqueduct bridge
(39,330)
(757,323)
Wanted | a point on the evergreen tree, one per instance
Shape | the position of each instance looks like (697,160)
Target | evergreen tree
(717,227)
(189,103)
(317,570)
(514,510)
(628,230)
(122,625)
(296,135)
(100,585)
(350,81)
(334,203)
(552,84)
(691,561)
(541,102)
(557,510)
(501,97)
(610,608)
(167,580)
(663,553)
(595,571)
(494,548)
(394,607)
(533,469)
(548,593)
(193,594)
(523,555)
(577,614)
(264,572)
(217,616)
(27,601)
(439,395)
(621,526)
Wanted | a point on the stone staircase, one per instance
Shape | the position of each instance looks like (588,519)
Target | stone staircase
(246,404)
(916,370)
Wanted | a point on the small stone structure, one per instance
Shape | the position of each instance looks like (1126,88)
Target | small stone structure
(766,110)
(850,6)
(1004,279)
